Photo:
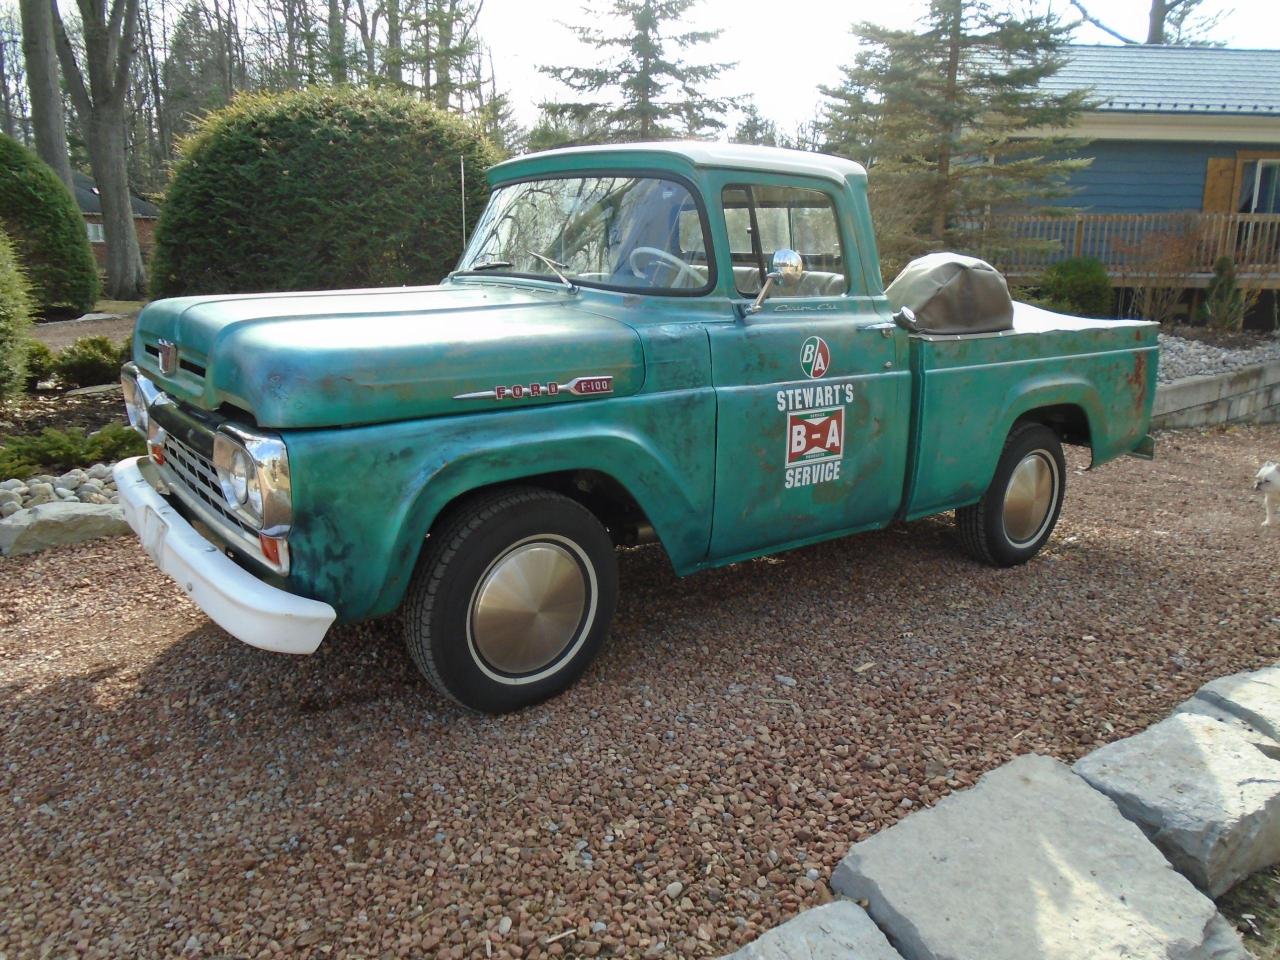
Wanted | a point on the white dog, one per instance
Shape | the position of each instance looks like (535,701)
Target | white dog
(1268,481)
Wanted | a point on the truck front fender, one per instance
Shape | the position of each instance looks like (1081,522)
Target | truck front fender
(361,534)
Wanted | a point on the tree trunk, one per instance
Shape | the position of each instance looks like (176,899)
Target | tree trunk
(337,41)
(126,276)
(394,54)
(1155,21)
(10,125)
(47,120)
(942,206)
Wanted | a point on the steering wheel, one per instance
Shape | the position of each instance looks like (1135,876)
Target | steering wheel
(682,268)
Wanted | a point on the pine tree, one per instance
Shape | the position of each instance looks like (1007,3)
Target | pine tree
(755,129)
(644,90)
(953,112)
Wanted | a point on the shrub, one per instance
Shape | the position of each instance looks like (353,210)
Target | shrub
(91,361)
(40,215)
(1225,302)
(41,364)
(318,189)
(15,319)
(1078,286)
(56,451)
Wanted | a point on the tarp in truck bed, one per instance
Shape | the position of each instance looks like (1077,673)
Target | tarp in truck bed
(952,294)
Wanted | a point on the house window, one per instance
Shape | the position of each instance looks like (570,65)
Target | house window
(95,233)
(1260,186)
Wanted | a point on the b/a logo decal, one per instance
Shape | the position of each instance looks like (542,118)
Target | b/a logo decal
(815,446)
(815,357)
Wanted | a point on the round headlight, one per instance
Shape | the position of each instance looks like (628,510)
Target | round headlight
(239,478)
(253,493)
(135,405)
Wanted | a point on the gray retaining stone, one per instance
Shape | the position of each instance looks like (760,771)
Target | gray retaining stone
(1030,863)
(1253,697)
(1242,728)
(834,931)
(58,524)
(1205,795)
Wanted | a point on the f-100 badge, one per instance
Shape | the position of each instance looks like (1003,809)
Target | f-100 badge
(578,386)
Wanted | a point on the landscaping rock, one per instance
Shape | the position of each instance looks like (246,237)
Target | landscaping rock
(38,493)
(8,496)
(58,524)
(1254,697)
(1030,863)
(834,931)
(1207,797)
(8,509)
(1241,728)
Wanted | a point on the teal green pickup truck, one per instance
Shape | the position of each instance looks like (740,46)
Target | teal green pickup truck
(687,344)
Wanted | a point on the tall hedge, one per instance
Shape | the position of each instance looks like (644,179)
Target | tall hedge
(318,189)
(47,230)
(15,320)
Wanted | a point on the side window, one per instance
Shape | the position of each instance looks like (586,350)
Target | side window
(762,219)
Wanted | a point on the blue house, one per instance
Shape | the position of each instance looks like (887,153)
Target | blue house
(1185,148)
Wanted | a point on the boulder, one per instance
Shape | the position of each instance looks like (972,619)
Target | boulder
(1206,796)
(1254,697)
(1242,728)
(1030,863)
(834,931)
(57,524)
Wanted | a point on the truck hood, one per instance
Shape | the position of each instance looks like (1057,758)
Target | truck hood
(370,356)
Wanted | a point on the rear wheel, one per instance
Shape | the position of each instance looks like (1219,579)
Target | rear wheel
(1017,514)
(512,598)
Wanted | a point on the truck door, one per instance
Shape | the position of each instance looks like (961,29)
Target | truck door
(812,391)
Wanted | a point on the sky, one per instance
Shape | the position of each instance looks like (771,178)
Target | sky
(785,52)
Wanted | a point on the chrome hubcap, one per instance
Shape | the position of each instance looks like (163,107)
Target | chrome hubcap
(1029,498)
(528,608)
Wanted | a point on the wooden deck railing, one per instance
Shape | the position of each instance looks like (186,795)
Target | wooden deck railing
(1138,244)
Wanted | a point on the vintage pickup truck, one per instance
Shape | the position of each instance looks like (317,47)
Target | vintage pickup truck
(612,362)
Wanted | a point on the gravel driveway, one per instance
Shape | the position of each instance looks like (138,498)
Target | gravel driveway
(167,790)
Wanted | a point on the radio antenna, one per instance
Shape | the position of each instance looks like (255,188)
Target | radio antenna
(462,167)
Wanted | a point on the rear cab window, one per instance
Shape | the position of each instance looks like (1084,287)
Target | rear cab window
(763,218)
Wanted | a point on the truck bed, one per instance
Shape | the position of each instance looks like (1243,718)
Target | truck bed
(1099,376)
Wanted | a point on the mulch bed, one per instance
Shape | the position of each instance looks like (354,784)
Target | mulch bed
(31,413)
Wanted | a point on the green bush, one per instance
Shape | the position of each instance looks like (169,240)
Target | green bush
(1077,286)
(1225,302)
(56,451)
(91,361)
(48,230)
(322,188)
(41,364)
(15,320)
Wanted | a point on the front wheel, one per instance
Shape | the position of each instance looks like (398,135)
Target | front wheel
(1017,514)
(512,598)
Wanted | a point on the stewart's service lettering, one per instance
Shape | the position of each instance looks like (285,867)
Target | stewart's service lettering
(808,398)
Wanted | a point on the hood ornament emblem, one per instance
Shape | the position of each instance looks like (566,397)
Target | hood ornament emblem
(578,386)
(168,357)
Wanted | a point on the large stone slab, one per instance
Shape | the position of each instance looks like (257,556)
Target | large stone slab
(1206,796)
(1030,864)
(1242,728)
(1254,697)
(59,523)
(834,931)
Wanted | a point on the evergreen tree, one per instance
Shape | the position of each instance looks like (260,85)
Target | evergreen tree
(951,112)
(643,89)
(755,129)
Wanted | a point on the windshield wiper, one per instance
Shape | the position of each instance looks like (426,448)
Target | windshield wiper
(556,268)
(487,265)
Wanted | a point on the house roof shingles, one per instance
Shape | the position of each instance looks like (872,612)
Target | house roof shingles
(1159,79)
(88,201)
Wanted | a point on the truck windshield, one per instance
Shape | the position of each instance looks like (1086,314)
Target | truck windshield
(625,233)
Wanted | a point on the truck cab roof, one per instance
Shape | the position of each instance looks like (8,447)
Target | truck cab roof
(679,155)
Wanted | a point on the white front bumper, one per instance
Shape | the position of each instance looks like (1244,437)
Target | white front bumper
(257,613)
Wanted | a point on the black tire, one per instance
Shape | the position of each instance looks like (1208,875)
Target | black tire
(468,548)
(983,528)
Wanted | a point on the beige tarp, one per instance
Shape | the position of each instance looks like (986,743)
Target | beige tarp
(950,293)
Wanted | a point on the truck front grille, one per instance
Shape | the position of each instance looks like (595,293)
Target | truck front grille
(196,481)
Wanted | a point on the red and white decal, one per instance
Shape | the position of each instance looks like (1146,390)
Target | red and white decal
(815,446)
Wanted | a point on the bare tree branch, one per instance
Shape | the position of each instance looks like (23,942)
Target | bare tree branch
(1090,18)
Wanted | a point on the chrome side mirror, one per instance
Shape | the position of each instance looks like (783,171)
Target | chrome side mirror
(786,270)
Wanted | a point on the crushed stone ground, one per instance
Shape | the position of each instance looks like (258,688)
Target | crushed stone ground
(166,790)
